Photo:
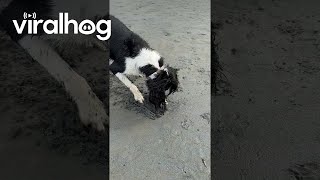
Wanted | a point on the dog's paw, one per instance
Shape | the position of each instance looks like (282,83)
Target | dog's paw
(139,97)
(92,112)
(137,94)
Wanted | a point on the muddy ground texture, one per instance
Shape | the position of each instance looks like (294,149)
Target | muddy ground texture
(266,112)
(41,134)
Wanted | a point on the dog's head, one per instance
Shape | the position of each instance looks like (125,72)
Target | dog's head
(161,84)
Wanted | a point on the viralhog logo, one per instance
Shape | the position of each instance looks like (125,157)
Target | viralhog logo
(61,26)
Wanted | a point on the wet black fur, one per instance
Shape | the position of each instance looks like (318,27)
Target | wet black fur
(164,81)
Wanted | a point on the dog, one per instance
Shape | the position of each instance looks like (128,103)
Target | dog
(132,55)
(91,109)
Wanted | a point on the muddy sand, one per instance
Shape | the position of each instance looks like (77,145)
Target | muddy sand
(266,116)
(177,144)
(41,134)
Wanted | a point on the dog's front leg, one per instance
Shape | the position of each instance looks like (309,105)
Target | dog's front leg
(91,110)
(133,88)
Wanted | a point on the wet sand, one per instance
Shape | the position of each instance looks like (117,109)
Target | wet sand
(176,145)
(41,134)
(266,117)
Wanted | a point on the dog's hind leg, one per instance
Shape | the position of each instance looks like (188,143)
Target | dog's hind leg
(91,110)
(133,88)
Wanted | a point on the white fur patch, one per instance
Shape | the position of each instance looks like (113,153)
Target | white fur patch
(167,92)
(110,61)
(153,75)
(166,70)
(145,57)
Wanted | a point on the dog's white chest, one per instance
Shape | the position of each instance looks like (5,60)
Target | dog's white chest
(145,57)
(132,67)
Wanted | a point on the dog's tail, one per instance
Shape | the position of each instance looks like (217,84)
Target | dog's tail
(19,10)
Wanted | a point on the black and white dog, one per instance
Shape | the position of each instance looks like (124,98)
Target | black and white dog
(91,109)
(131,55)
